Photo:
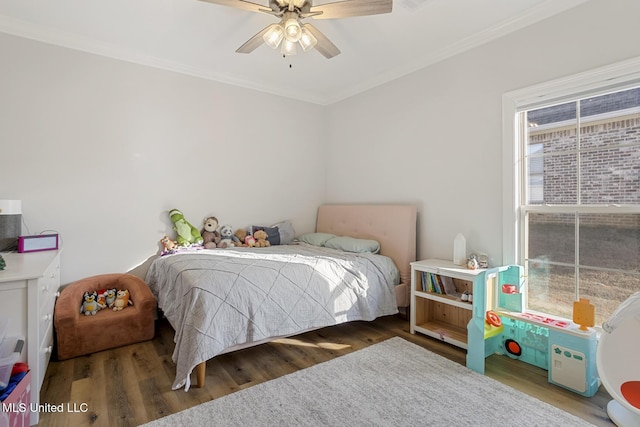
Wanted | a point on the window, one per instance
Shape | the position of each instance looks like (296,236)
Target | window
(575,199)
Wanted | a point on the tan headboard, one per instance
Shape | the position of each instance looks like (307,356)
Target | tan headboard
(393,226)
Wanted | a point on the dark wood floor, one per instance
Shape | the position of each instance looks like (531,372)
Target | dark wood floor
(131,385)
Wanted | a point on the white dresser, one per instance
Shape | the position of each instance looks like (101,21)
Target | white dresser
(28,288)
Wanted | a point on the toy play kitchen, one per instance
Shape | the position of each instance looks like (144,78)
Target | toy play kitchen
(499,324)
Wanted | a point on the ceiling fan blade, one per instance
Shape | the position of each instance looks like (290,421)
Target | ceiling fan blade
(254,42)
(348,8)
(324,45)
(241,4)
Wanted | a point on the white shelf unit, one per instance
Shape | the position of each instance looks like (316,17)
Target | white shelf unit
(438,315)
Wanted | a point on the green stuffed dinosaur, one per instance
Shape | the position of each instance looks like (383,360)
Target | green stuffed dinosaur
(187,233)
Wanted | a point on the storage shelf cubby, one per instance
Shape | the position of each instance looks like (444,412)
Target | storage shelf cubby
(438,314)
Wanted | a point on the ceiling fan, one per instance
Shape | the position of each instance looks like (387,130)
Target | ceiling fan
(291,32)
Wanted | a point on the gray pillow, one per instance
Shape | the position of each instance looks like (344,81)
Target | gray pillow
(286,231)
(281,233)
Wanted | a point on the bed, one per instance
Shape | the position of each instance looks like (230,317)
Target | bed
(222,300)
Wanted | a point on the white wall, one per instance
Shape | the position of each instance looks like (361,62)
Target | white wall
(435,137)
(99,150)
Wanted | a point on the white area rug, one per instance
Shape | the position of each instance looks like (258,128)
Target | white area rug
(392,383)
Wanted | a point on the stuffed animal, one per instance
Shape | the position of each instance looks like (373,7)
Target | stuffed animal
(122,300)
(210,235)
(110,297)
(102,299)
(250,241)
(228,239)
(89,303)
(168,244)
(187,233)
(261,239)
(241,235)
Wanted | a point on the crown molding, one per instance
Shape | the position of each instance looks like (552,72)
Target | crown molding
(56,37)
(42,34)
(532,16)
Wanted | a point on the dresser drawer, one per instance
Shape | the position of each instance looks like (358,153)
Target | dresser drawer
(46,323)
(44,353)
(48,288)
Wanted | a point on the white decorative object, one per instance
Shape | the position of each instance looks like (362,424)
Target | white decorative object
(617,361)
(459,250)
(10,207)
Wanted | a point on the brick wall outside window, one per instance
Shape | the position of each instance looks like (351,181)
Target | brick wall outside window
(608,175)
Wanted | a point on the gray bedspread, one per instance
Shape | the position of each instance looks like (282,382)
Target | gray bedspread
(220,298)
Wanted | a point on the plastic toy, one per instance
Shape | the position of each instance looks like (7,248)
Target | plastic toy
(492,324)
(493,319)
(559,346)
(584,314)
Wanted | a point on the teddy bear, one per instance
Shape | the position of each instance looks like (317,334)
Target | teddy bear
(261,239)
(89,303)
(241,235)
(122,300)
(210,235)
(228,239)
(187,233)
(168,244)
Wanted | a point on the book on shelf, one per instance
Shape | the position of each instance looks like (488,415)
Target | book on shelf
(437,284)
(432,283)
(450,287)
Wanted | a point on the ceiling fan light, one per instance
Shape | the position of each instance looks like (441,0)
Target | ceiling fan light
(288,47)
(292,30)
(274,36)
(307,40)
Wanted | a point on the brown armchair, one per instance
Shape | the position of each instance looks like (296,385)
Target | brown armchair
(78,334)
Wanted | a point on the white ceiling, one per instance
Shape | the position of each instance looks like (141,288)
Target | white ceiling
(199,38)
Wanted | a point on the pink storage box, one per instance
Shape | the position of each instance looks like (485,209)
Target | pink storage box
(15,410)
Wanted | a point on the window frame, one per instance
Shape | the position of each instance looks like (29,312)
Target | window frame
(615,77)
